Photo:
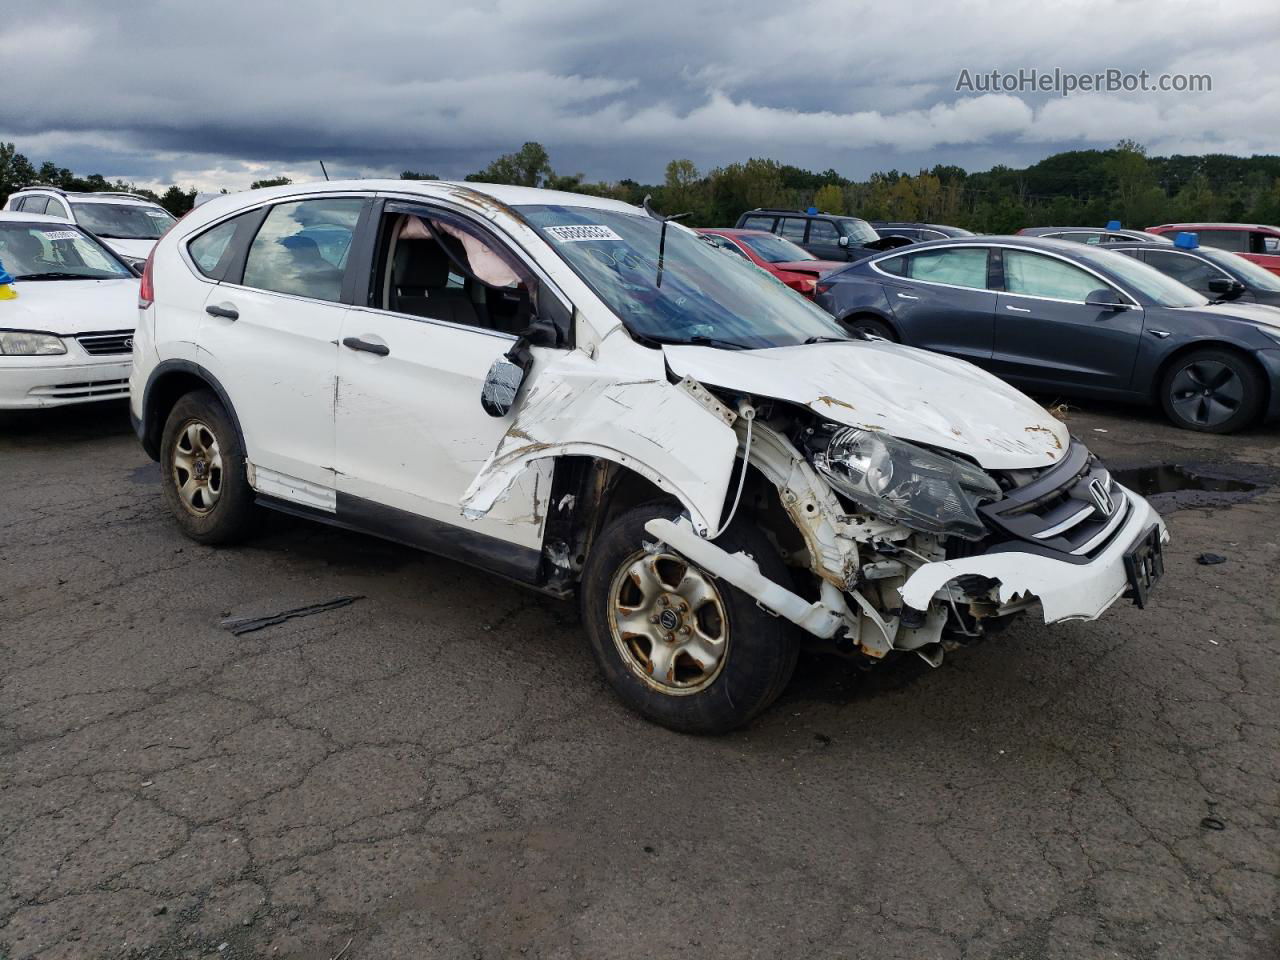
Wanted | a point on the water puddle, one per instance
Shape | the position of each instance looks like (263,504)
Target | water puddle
(1171,486)
(1170,478)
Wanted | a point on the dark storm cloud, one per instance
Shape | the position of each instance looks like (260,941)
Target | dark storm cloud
(219,94)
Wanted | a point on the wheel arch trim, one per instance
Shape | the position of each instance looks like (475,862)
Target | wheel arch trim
(150,427)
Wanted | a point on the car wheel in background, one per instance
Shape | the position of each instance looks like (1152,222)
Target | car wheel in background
(871,326)
(1212,390)
(202,469)
(680,647)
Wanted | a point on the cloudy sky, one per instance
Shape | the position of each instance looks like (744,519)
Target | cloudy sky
(217,95)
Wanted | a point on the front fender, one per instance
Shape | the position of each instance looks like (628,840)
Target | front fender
(579,406)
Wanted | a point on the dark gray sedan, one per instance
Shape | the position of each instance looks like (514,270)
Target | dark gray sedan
(1052,316)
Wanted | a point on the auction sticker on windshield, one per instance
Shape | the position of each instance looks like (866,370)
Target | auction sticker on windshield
(575,233)
(59,234)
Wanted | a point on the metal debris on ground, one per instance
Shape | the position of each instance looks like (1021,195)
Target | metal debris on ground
(239,625)
(1212,823)
(1209,559)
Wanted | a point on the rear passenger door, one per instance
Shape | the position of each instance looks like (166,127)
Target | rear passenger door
(941,301)
(270,334)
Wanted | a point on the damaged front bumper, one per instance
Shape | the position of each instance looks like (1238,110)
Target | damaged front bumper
(1012,580)
(1065,591)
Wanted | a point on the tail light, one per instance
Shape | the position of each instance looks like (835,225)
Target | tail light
(146,289)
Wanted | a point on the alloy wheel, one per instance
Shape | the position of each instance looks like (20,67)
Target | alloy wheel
(1206,393)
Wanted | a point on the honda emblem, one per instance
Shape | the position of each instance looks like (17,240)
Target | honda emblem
(1101,497)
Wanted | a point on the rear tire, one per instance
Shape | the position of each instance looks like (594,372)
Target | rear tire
(1212,390)
(872,326)
(202,466)
(727,659)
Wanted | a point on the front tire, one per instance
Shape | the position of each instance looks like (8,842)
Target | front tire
(680,647)
(202,466)
(1212,391)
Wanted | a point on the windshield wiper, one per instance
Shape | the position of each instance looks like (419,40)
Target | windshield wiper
(697,340)
(116,236)
(56,276)
(825,339)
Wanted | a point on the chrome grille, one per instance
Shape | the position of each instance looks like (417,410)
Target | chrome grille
(1073,509)
(103,344)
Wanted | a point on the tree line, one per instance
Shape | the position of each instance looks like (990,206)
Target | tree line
(1073,188)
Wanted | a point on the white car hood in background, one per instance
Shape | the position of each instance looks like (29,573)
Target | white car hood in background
(908,393)
(68,307)
(138,249)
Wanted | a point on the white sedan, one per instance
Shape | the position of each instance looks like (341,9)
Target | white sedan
(67,337)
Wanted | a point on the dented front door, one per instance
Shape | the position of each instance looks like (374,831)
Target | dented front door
(411,434)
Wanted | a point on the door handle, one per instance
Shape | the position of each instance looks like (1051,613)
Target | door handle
(907,296)
(1009,306)
(355,343)
(227,313)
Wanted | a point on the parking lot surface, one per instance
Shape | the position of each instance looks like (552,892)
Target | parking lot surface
(436,770)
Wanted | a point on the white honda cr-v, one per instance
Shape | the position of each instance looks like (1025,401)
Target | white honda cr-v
(579,395)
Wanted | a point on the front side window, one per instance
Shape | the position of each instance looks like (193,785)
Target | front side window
(1080,236)
(958,267)
(1184,268)
(438,266)
(1139,276)
(123,221)
(51,251)
(1035,275)
(793,229)
(35,205)
(1264,243)
(858,231)
(824,232)
(758,223)
(56,209)
(301,247)
(695,296)
(1259,278)
(773,249)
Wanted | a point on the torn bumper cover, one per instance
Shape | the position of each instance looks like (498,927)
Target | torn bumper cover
(1065,591)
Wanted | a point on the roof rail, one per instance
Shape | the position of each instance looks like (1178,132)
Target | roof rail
(117,193)
(42,186)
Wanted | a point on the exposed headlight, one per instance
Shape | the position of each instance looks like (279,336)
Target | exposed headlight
(900,481)
(21,343)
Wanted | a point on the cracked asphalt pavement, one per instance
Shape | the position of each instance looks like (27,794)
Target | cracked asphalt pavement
(437,770)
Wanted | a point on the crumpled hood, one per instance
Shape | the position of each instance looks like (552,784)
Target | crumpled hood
(137,249)
(1248,312)
(68,307)
(908,393)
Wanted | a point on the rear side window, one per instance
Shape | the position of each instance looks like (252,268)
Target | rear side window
(959,267)
(302,247)
(1039,276)
(208,250)
(56,209)
(758,223)
(1237,241)
(35,205)
(1264,243)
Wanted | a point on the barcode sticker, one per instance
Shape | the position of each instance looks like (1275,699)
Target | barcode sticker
(158,214)
(578,232)
(59,234)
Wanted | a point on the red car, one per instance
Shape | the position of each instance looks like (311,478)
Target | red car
(1257,242)
(793,265)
